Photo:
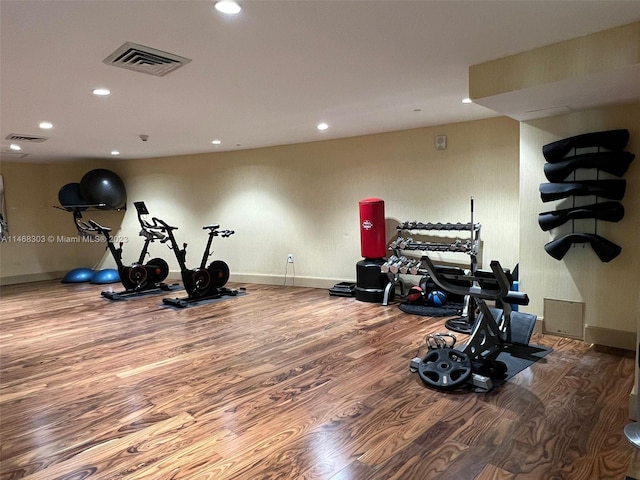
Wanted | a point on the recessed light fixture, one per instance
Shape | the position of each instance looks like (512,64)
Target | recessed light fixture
(115,152)
(216,142)
(227,6)
(15,147)
(466,100)
(322,126)
(101,92)
(45,125)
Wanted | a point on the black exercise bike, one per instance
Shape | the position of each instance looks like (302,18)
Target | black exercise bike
(201,283)
(139,276)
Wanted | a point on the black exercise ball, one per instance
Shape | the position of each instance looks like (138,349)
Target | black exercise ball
(70,196)
(101,186)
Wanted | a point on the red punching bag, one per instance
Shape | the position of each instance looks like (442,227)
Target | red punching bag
(373,241)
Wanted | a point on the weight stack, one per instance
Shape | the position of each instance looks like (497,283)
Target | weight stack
(370,281)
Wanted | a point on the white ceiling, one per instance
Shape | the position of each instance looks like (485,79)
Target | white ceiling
(264,77)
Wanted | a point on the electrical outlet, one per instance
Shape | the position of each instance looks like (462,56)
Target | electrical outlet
(290,258)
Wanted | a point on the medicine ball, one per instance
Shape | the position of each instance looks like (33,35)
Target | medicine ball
(415,295)
(101,186)
(437,298)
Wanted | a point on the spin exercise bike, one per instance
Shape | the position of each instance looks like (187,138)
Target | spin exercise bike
(139,276)
(204,282)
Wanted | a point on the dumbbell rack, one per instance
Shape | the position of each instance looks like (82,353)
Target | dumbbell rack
(400,264)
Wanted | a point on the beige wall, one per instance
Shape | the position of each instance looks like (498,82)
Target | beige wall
(609,290)
(31,191)
(300,199)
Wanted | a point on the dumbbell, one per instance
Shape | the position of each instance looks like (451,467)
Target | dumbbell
(413,270)
(384,268)
(404,269)
(396,266)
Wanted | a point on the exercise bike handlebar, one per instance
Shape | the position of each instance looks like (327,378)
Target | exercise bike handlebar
(90,226)
(161,225)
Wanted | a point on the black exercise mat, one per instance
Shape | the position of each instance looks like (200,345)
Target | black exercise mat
(517,358)
(207,301)
(122,295)
(447,310)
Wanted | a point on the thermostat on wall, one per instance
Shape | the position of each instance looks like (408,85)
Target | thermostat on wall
(441,142)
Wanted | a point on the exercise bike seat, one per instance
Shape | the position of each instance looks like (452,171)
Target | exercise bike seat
(213,226)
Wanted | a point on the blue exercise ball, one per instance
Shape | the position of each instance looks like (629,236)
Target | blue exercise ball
(107,275)
(70,196)
(78,275)
(101,186)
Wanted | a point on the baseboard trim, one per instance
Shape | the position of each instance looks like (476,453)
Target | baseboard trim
(610,338)
(32,277)
(312,282)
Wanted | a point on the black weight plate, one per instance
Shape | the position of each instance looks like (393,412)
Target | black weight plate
(445,369)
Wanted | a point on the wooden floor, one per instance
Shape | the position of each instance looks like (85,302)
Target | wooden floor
(283,383)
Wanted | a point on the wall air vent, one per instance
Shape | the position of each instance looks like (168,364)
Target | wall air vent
(16,137)
(8,155)
(145,59)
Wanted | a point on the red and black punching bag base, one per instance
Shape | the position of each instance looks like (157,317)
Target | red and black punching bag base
(370,281)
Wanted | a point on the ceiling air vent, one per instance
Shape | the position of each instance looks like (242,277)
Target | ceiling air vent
(16,137)
(145,59)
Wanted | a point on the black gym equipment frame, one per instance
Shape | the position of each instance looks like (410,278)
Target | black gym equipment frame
(139,277)
(201,283)
(492,332)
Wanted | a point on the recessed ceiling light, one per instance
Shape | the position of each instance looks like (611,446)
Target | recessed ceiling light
(216,142)
(101,92)
(15,147)
(45,125)
(322,126)
(466,100)
(227,6)
(115,152)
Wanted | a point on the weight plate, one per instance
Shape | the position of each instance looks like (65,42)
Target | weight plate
(445,369)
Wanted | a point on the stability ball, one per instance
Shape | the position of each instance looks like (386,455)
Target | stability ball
(70,196)
(107,275)
(78,275)
(101,186)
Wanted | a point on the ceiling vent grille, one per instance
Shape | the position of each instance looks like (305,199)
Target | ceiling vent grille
(16,137)
(145,59)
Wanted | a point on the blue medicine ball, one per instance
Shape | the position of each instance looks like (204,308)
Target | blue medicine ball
(436,298)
